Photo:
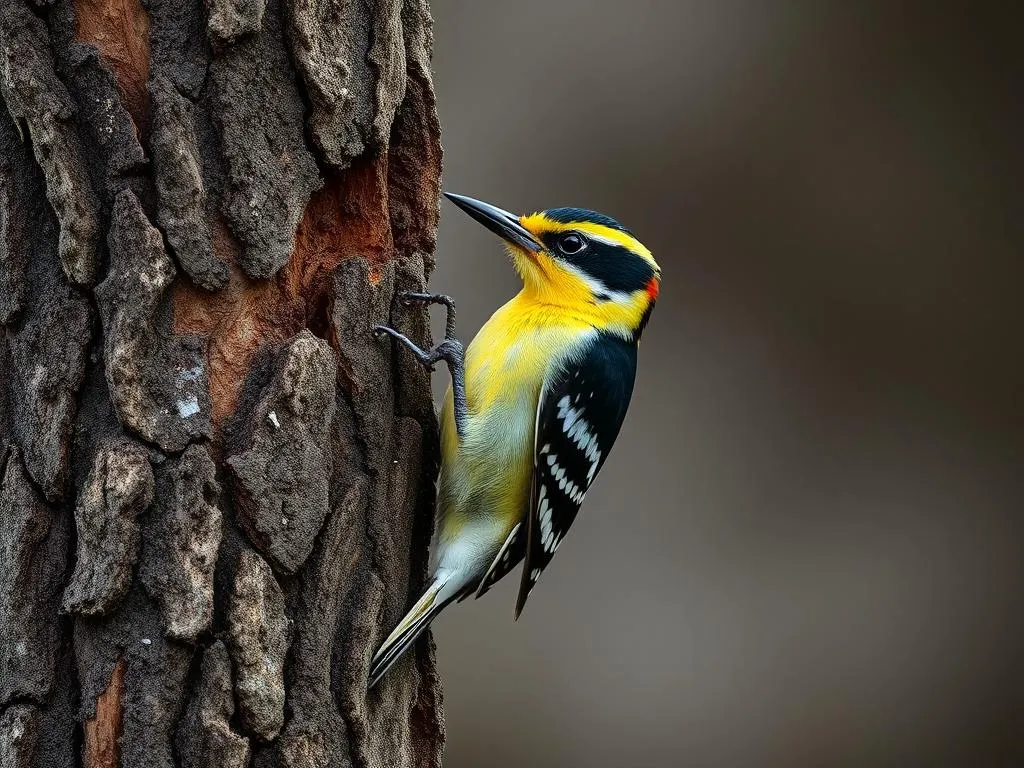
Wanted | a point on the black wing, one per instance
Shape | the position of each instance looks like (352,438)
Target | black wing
(581,409)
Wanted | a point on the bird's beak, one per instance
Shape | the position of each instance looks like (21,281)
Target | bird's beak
(502,223)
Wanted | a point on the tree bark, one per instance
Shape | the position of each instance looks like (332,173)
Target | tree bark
(216,485)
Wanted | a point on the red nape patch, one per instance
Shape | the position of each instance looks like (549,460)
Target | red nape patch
(653,288)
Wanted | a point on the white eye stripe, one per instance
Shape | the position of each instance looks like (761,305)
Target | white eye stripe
(597,287)
(601,239)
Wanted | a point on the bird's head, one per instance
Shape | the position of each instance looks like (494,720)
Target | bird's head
(579,260)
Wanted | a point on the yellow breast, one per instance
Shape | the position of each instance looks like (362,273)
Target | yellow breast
(488,472)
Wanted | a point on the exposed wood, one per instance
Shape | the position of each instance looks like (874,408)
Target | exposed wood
(120,31)
(344,218)
(103,731)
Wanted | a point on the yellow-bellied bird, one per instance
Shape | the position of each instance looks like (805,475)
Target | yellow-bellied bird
(535,404)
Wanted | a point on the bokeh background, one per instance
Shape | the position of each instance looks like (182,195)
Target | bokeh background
(806,548)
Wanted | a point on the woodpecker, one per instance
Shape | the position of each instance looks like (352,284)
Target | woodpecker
(535,404)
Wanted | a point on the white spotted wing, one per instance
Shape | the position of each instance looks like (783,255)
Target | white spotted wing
(581,408)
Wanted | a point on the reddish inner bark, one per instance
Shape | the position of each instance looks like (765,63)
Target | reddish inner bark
(347,217)
(103,731)
(120,30)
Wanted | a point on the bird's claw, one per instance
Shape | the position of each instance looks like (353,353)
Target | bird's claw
(408,298)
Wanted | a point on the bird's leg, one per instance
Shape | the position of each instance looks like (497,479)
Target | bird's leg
(450,350)
(410,297)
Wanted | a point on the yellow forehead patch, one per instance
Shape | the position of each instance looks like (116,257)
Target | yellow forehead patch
(539,224)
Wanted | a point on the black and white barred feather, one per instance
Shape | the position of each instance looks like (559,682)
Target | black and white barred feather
(581,409)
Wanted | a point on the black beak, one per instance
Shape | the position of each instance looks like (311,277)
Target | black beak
(502,223)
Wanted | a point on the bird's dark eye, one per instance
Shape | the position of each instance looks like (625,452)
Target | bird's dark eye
(571,243)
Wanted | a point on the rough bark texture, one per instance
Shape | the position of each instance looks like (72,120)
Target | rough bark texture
(216,484)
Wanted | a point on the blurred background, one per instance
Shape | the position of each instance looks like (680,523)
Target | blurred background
(806,547)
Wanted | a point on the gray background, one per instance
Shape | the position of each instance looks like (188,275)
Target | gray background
(805,548)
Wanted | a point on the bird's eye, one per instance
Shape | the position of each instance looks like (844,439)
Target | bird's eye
(571,243)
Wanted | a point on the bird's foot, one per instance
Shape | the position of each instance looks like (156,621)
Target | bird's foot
(412,297)
(450,350)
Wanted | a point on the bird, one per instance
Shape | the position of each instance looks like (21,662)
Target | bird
(535,403)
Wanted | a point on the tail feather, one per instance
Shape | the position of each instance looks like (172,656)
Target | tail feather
(438,595)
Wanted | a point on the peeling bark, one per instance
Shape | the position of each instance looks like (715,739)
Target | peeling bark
(205,736)
(181,190)
(216,484)
(119,29)
(110,137)
(283,471)
(270,172)
(353,67)
(35,96)
(258,634)
(119,488)
(157,379)
(183,536)
(49,324)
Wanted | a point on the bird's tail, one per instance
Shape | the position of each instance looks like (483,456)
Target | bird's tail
(441,591)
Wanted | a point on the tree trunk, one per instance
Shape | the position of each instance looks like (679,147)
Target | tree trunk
(216,485)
